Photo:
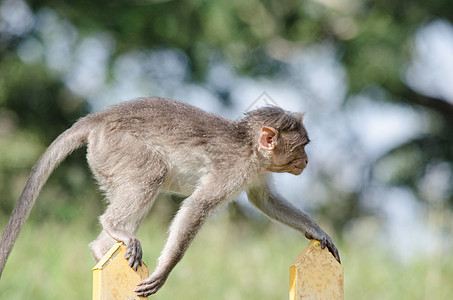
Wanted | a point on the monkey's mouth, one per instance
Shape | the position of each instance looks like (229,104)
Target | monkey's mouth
(299,167)
(297,170)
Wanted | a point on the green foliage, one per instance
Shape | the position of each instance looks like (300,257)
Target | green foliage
(35,108)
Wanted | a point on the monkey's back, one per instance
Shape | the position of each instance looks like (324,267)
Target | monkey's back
(191,141)
(159,117)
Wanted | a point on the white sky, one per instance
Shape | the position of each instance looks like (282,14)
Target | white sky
(431,72)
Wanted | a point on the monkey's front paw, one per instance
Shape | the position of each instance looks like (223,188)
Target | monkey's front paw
(325,241)
(134,253)
(151,285)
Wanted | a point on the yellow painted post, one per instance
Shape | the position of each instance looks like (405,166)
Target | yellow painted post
(113,278)
(315,275)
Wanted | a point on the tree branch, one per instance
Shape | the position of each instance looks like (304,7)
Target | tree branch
(442,107)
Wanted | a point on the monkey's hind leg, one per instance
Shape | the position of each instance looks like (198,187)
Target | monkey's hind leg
(128,206)
(130,202)
(101,245)
(131,175)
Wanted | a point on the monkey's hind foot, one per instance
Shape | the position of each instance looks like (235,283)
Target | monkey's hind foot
(134,253)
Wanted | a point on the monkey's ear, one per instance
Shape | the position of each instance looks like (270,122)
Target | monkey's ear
(300,116)
(268,138)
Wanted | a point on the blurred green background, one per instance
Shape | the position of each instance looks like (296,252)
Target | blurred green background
(375,78)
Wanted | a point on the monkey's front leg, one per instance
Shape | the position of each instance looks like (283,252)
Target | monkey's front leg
(184,227)
(281,210)
(316,233)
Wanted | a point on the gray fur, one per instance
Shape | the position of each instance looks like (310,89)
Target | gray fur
(139,148)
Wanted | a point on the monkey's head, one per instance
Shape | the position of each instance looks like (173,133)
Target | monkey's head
(282,139)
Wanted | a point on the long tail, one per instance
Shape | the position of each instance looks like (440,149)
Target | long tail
(68,141)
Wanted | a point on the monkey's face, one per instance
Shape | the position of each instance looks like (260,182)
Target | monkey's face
(289,156)
(287,151)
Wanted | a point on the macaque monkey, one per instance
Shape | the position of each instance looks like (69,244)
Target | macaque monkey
(138,148)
